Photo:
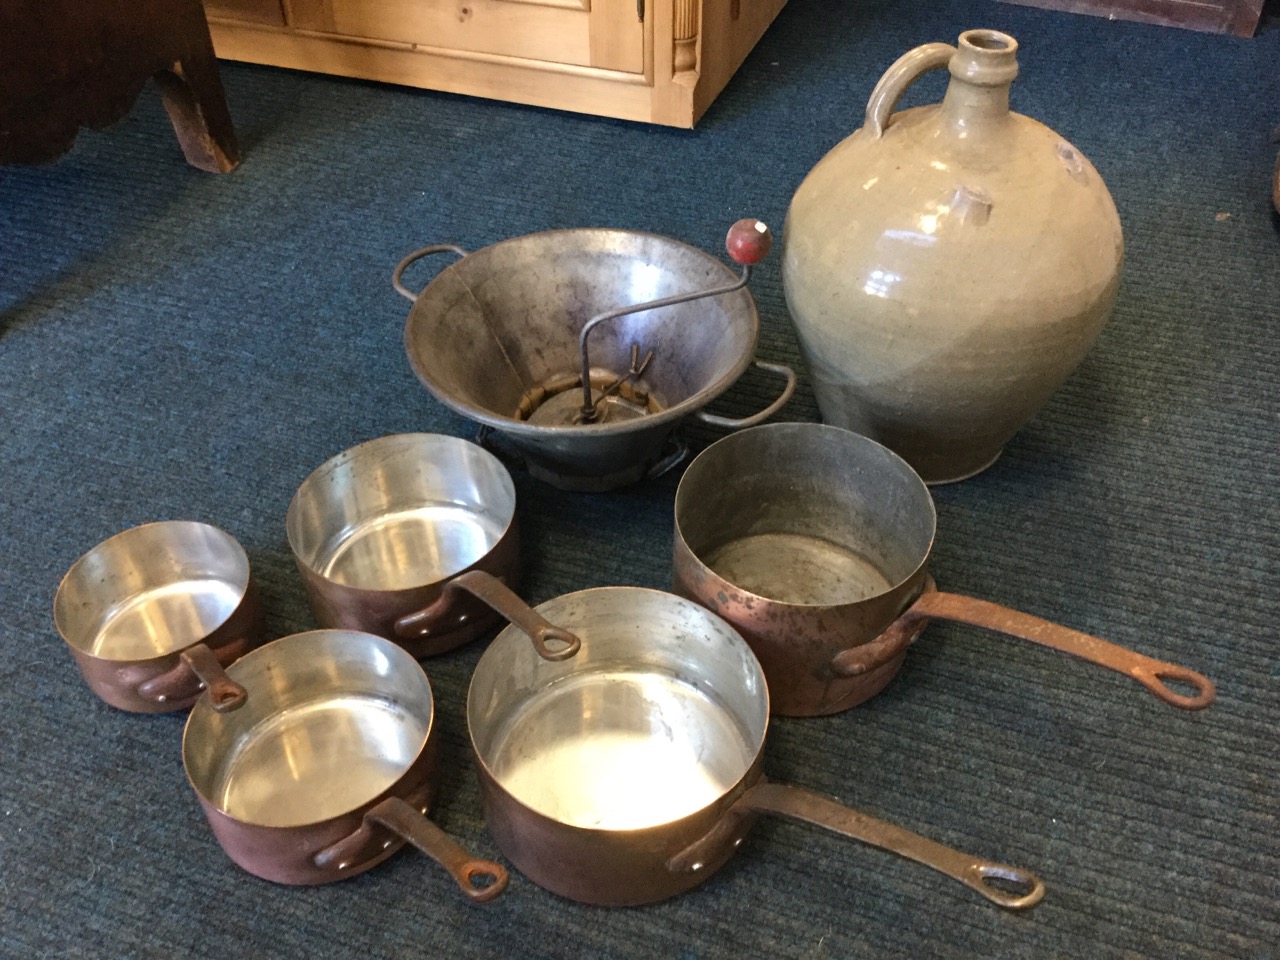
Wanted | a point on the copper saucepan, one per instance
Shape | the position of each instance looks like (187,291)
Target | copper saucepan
(630,771)
(330,765)
(378,529)
(814,541)
(151,614)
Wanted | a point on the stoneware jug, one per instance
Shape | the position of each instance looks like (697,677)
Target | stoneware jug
(948,267)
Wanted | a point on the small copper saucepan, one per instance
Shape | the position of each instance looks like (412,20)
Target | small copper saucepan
(152,613)
(814,541)
(630,770)
(330,765)
(378,529)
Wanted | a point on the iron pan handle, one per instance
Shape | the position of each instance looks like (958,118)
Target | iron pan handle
(207,667)
(401,819)
(865,657)
(1148,671)
(796,803)
(933,604)
(551,642)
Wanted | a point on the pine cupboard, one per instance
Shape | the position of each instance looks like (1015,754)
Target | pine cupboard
(657,61)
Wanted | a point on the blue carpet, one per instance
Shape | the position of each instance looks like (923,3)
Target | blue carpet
(180,345)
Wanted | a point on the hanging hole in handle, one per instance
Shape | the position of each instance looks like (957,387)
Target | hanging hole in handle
(555,644)
(1009,887)
(482,880)
(1177,686)
(229,697)
(224,693)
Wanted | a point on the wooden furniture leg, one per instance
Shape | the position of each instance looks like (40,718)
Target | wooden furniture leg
(67,64)
(197,106)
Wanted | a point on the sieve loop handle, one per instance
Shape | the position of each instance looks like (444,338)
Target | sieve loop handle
(398,272)
(789,388)
(906,70)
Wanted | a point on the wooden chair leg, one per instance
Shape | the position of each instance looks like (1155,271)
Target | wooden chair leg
(197,107)
(193,94)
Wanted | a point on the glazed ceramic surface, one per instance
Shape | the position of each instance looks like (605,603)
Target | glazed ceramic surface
(949,266)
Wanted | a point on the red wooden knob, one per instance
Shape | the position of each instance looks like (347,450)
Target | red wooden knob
(748,241)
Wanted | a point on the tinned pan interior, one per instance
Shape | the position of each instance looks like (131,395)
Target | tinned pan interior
(151,590)
(333,719)
(506,319)
(805,513)
(401,512)
(660,714)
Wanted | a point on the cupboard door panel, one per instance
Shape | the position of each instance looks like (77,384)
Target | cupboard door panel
(617,36)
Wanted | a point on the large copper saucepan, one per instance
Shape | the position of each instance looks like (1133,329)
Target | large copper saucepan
(329,766)
(814,541)
(630,771)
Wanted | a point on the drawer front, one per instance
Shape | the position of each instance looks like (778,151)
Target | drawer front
(607,34)
(270,12)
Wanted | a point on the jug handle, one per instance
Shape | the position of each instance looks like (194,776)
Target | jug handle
(398,272)
(807,806)
(1149,672)
(906,70)
(788,389)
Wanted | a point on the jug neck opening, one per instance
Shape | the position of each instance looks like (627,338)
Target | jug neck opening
(983,67)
